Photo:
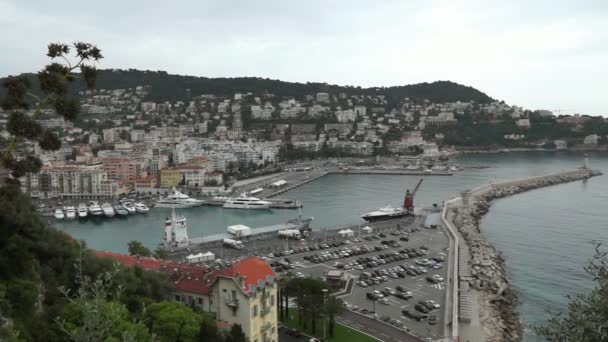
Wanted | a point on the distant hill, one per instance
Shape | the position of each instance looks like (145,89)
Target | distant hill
(167,87)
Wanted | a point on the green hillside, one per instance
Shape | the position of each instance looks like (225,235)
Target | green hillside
(167,87)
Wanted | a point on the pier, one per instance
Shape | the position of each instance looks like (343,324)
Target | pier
(265,240)
(482,301)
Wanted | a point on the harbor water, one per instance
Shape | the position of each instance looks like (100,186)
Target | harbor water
(544,234)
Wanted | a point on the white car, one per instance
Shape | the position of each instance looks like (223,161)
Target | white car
(300,275)
(433,303)
(378,294)
(438,277)
(383,301)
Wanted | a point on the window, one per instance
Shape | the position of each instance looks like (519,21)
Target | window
(200,301)
(271,300)
(178,298)
(255,311)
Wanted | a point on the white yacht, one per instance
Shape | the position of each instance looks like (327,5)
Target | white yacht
(129,207)
(59,214)
(70,212)
(178,200)
(108,210)
(385,213)
(95,209)
(244,202)
(120,210)
(141,208)
(83,211)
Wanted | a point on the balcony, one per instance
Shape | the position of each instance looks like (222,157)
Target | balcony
(232,302)
(265,327)
(265,311)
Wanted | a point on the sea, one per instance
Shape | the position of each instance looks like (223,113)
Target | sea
(546,235)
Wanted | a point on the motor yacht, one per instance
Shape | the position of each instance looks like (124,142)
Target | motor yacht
(141,208)
(108,210)
(385,213)
(70,212)
(178,200)
(120,210)
(95,209)
(83,211)
(129,207)
(58,214)
(244,202)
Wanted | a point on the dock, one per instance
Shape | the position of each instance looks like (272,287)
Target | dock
(276,203)
(393,172)
(265,240)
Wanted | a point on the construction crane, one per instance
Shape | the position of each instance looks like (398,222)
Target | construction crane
(408,202)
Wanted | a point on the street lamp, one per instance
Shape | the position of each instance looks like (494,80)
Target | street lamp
(325,308)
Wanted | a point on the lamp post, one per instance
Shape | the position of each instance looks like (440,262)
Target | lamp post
(325,308)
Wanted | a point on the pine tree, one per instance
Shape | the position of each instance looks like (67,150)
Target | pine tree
(53,81)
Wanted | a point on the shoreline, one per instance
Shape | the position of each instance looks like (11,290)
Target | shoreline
(530,149)
(482,273)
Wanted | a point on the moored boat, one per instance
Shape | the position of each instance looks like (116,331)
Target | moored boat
(244,202)
(120,210)
(178,200)
(129,207)
(70,212)
(95,209)
(108,210)
(83,211)
(141,208)
(58,214)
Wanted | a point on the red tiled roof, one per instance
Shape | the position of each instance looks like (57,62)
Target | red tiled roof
(199,279)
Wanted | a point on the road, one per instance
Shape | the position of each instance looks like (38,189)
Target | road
(385,332)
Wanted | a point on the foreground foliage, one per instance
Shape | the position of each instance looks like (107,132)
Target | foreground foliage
(587,317)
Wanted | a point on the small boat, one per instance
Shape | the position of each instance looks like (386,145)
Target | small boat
(141,208)
(108,210)
(95,209)
(70,212)
(83,211)
(59,214)
(129,207)
(120,210)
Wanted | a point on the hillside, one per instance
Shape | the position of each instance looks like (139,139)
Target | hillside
(167,87)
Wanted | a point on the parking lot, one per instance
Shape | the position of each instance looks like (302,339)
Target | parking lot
(394,271)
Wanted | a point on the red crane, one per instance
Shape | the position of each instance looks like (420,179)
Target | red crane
(408,202)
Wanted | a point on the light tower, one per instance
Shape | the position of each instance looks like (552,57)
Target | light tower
(586,162)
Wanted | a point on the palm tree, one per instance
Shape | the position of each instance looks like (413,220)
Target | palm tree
(333,307)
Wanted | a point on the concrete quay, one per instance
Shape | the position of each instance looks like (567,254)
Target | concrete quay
(484,304)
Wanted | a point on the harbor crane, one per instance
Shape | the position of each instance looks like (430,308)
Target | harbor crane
(408,202)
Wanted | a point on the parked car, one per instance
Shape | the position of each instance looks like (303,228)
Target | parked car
(422,308)
(432,320)
(294,333)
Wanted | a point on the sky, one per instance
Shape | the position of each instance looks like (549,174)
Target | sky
(542,54)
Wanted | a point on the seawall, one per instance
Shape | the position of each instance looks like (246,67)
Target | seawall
(486,305)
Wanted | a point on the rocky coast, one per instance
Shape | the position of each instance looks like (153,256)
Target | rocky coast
(482,269)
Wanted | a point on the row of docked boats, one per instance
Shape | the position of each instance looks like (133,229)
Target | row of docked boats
(94,209)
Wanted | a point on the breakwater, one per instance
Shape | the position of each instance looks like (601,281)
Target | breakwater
(481,268)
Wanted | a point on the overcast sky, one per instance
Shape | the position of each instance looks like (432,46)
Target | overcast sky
(550,54)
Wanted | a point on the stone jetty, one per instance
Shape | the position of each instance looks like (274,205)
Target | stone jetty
(481,267)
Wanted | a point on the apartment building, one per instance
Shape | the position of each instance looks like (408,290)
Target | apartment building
(244,293)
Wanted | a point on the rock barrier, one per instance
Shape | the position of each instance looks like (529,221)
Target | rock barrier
(498,301)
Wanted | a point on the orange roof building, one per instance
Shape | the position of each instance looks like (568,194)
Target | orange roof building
(243,293)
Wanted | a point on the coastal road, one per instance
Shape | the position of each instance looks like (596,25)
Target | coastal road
(375,328)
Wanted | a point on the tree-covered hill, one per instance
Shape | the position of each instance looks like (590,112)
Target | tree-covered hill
(168,87)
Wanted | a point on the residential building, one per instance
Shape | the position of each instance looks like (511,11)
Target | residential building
(120,169)
(146,184)
(592,139)
(323,97)
(243,293)
(71,181)
(170,177)
(523,123)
